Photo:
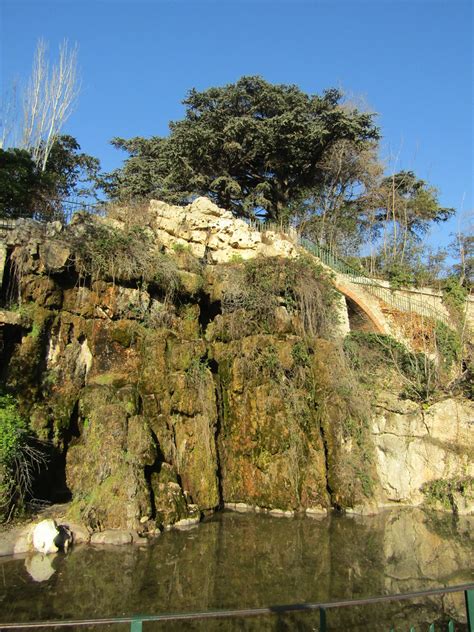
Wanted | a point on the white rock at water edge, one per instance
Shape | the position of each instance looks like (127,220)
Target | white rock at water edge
(44,535)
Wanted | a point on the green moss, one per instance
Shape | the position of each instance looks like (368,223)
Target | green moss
(110,379)
(179,248)
(126,333)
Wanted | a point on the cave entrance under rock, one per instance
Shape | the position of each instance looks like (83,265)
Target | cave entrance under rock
(51,484)
(208,310)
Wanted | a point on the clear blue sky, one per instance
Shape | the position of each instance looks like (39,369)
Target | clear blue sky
(410,60)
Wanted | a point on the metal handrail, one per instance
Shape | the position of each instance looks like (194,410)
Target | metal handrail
(372,285)
(64,214)
(136,621)
(326,256)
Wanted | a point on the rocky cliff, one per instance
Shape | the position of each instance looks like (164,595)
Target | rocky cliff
(175,361)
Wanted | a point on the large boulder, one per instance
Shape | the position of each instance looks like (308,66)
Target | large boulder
(44,537)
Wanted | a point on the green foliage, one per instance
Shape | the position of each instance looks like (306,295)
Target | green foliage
(13,429)
(260,286)
(367,483)
(300,354)
(103,252)
(21,185)
(448,344)
(270,364)
(409,201)
(197,371)
(454,294)
(368,352)
(27,191)
(250,146)
(179,248)
(70,172)
(463,250)
(399,275)
(442,490)
(467,382)
(20,457)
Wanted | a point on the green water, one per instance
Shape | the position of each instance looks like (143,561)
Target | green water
(246,560)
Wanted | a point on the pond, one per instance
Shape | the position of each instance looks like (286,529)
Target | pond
(233,560)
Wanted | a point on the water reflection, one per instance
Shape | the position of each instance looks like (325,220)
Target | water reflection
(40,566)
(242,560)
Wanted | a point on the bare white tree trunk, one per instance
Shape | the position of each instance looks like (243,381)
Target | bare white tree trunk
(49,100)
(63,91)
(34,100)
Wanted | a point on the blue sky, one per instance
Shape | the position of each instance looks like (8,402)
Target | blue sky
(409,60)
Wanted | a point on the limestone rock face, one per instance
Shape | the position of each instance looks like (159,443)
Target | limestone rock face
(167,397)
(416,446)
(211,232)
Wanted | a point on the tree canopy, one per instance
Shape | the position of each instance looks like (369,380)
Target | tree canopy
(409,201)
(27,190)
(253,147)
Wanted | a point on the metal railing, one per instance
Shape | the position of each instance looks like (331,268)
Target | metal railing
(324,254)
(372,285)
(63,213)
(136,621)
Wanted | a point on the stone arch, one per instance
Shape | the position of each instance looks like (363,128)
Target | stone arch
(361,317)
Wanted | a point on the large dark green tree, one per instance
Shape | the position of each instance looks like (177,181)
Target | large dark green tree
(21,184)
(253,147)
(28,191)
(410,202)
(334,213)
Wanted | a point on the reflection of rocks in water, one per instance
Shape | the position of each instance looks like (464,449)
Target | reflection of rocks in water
(40,566)
(244,560)
(415,551)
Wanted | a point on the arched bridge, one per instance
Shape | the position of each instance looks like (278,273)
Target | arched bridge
(368,300)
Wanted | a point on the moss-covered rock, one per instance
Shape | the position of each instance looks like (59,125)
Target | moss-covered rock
(104,468)
(172,388)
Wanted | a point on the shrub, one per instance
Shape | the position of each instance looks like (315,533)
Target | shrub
(21,456)
(442,490)
(448,344)
(454,295)
(105,252)
(260,285)
(399,276)
(369,351)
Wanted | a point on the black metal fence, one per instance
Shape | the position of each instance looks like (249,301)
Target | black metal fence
(136,622)
(63,213)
